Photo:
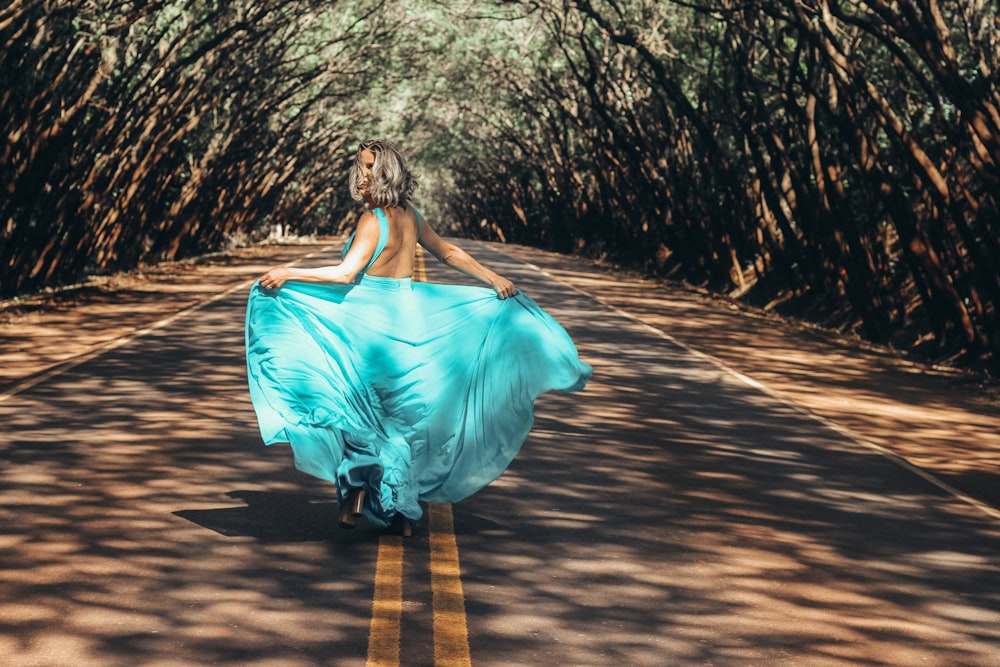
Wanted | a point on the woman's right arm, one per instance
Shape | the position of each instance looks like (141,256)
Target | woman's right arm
(458,259)
(362,249)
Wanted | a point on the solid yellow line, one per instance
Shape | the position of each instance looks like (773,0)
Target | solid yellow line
(451,634)
(387,605)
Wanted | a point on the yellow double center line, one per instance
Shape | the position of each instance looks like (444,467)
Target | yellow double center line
(451,635)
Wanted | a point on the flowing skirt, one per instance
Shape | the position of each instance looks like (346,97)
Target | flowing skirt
(414,391)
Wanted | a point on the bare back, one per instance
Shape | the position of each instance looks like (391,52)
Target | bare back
(398,255)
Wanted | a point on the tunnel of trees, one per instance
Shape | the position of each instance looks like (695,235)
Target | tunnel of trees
(832,159)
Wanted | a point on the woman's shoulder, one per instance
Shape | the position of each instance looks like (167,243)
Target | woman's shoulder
(369,217)
(368,224)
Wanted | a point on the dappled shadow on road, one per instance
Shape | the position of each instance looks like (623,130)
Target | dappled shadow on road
(145,522)
(671,514)
(667,515)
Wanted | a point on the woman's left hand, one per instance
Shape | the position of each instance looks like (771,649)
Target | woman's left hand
(276,277)
(503,287)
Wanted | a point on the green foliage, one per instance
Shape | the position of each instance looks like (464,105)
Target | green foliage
(143,131)
(837,158)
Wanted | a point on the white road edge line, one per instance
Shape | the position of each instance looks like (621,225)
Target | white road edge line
(785,400)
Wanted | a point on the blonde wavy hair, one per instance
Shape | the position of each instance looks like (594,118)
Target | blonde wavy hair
(391,184)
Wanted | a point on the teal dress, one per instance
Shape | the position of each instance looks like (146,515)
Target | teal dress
(414,391)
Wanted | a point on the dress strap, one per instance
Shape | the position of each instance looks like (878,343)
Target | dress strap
(420,221)
(383,238)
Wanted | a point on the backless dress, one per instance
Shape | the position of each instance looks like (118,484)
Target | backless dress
(415,391)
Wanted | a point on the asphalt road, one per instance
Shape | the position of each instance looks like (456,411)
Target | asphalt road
(670,514)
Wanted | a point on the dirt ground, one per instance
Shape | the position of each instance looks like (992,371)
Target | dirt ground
(942,421)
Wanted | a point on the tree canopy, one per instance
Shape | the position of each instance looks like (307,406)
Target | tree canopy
(834,159)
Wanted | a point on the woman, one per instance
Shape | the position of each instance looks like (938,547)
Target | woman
(398,391)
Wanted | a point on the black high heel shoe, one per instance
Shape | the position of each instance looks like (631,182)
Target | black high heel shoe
(353,508)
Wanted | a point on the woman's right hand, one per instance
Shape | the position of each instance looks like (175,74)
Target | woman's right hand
(276,277)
